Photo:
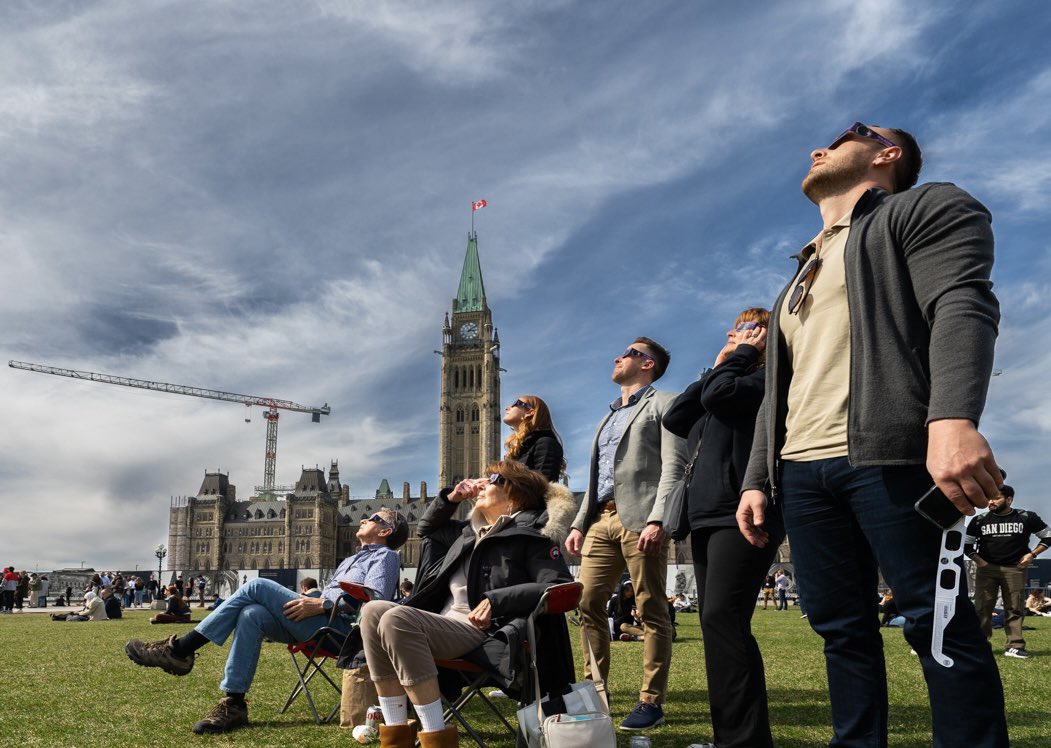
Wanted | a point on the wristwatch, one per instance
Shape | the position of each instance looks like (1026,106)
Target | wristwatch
(328,605)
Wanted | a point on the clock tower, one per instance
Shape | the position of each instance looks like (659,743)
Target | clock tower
(469,434)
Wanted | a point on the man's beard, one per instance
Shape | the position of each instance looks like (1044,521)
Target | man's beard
(830,180)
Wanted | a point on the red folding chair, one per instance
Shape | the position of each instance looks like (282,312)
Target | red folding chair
(556,600)
(309,657)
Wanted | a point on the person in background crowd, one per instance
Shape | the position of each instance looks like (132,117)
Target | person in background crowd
(21,589)
(9,582)
(533,440)
(45,590)
(998,543)
(782,583)
(1038,604)
(94,610)
(176,609)
(309,588)
(111,603)
(151,589)
(201,584)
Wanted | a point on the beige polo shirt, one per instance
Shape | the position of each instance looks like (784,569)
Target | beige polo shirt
(818,340)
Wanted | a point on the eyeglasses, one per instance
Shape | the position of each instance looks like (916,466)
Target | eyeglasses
(636,353)
(747,326)
(495,479)
(947,586)
(863,131)
(379,520)
(521,404)
(802,289)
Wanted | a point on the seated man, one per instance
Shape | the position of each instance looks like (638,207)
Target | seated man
(263,608)
(112,604)
(94,610)
(309,588)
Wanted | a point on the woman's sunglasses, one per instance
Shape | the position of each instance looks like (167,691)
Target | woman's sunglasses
(495,479)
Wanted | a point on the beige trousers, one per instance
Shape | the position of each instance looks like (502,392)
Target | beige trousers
(608,548)
(403,642)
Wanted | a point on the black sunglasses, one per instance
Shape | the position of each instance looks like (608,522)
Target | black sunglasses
(636,353)
(521,404)
(802,289)
(863,131)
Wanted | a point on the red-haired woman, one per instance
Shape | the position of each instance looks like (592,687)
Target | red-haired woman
(533,440)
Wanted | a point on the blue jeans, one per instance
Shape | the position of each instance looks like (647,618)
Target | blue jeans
(845,523)
(256,611)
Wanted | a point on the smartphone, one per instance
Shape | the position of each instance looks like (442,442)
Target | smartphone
(936,507)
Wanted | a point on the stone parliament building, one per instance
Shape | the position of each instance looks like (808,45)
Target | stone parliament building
(312,527)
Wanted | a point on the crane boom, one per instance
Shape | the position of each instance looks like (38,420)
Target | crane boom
(272,404)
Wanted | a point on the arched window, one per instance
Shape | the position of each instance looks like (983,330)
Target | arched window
(479,369)
(474,413)
(459,415)
(471,378)
(456,379)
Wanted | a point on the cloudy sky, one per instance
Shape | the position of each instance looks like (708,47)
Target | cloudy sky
(274,198)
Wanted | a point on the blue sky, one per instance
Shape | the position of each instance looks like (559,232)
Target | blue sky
(274,198)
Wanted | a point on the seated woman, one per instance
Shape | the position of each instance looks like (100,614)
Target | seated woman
(498,564)
(177,611)
(94,610)
(1037,604)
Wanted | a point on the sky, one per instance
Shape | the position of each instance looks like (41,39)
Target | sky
(273,198)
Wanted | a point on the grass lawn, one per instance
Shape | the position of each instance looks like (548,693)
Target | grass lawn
(70,684)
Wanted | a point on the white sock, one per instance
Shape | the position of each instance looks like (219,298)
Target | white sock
(395,709)
(431,716)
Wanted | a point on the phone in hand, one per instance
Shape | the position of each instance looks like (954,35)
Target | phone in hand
(936,507)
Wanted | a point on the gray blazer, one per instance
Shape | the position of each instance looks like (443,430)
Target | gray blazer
(650,460)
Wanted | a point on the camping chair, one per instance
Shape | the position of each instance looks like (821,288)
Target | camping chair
(556,600)
(309,657)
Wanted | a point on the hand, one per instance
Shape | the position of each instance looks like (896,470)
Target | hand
(467,489)
(962,464)
(304,607)
(730,347)
(651,539)
(482,615)
(751,513)
(1026,560)
(574,542)
(755,337)
(979,561)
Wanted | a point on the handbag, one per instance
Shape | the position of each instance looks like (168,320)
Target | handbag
(585,721)
(676,506)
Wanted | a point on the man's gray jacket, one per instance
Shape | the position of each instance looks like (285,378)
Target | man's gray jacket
(923,324)
(648,463)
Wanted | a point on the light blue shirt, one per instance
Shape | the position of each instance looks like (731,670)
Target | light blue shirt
(376,566)
(609,439)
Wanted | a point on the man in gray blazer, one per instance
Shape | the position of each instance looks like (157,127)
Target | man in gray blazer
(635,463)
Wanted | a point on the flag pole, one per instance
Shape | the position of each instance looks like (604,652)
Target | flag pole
(472,218)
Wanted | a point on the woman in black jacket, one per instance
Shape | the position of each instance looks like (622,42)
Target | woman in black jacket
(533,440)
(475,603)
(718,412)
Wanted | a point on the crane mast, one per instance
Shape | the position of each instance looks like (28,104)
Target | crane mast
(273,405)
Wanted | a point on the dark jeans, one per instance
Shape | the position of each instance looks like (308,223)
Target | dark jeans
(843,521)
(729,573)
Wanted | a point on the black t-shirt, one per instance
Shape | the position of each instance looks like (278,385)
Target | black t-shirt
(1003,539)
(113,610)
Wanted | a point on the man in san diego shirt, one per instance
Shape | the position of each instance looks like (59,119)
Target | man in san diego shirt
(998,543)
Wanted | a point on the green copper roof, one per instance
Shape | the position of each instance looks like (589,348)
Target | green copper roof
(384,488)
(469,296)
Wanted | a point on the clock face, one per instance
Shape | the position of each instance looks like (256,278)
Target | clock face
(469,330)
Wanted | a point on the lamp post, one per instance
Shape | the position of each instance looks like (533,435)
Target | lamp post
(160,553)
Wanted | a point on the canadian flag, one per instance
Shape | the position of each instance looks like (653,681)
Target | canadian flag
(478,205)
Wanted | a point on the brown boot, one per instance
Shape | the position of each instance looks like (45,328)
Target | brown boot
(446,738)
(398,736)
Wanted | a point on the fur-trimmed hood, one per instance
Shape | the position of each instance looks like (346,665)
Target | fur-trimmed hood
(555,520)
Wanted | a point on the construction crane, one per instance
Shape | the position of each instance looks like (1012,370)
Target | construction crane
(272,405)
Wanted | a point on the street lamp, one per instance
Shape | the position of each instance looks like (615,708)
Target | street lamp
(160,553)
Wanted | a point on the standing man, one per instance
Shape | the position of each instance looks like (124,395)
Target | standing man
(635,463)
(998,543)
(880,353)
(263,608)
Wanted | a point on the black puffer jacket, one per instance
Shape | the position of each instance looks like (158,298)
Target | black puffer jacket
(542,451)
(719,409)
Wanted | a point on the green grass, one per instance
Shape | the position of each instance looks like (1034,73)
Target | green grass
(70,684)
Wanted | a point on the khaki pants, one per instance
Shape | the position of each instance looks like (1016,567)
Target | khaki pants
(1008,582)
(608,548)
(358,695)
(403,642)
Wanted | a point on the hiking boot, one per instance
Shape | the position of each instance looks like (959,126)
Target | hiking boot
(159,654)
(1021,654)
(644,716)
(228,714)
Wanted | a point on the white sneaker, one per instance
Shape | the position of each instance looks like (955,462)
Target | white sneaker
(1021,654)
(497,694)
